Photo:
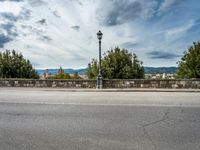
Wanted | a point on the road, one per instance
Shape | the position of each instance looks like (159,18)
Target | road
(45,119)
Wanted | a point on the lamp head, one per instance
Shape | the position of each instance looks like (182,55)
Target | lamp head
(99,35)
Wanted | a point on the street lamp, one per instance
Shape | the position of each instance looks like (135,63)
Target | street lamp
(99,77)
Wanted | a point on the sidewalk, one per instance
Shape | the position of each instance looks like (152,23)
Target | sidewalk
(100,90)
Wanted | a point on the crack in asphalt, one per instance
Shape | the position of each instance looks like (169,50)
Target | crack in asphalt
(165,116)
(149,137)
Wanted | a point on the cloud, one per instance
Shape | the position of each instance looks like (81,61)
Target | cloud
(179,31)
(3,40)
(12,0)
(7,33)
(24,14)
(8,25)
(45,38)
(129,44)
(77,28)
(79,2)
(37,3)
(121,12)
(42,22)
(193,25)
(9,28)
(10,7)
(55,13)
(9,16)
(63,32)
(167,4)
(117,12)
(162,55)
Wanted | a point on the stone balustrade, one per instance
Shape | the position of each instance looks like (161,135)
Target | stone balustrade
(114,83)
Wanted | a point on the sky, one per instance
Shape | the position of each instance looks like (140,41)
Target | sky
(54,33)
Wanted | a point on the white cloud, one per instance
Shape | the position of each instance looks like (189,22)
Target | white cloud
(67,37)
(11,7)
(167,4)
(179,30)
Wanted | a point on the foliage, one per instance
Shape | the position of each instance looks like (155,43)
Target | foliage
(62,75)
(189,65)
(14,65)
(93,69)
(117,64)
(76,76)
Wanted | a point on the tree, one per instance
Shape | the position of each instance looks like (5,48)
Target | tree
(93,69)
(61,74)
(76,76)
(14,65)
(189,65)
(117,64)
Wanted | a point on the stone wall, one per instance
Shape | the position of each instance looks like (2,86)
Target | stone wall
(48,83)
(115,83)
(142,83)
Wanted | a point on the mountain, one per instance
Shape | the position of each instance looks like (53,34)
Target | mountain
(148,70)
(55,71)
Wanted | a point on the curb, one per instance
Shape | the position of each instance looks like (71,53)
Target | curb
(131,90)
(102,90)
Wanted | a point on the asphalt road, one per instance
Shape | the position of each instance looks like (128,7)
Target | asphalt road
(37,119)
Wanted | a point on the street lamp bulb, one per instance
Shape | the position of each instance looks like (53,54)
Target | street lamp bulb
(99,35)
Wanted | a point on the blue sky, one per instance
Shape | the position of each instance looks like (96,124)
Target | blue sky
(53,33)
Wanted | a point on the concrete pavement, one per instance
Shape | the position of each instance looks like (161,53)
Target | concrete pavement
(66,96)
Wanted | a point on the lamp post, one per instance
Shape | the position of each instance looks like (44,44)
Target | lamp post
(99,77)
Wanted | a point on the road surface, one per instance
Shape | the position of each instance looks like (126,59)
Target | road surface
(44,119)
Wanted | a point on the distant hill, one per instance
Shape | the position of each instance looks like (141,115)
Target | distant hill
(69,71)
(148,70)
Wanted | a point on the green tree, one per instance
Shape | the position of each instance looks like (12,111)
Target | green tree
(189,65)
(93,69)
(14,65)
(117,64)
(76,76)
(61,74)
